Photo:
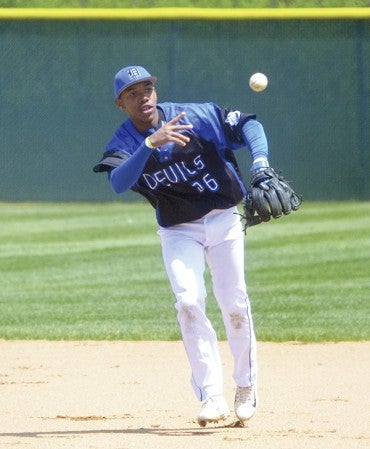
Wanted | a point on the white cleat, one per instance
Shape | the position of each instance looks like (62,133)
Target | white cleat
(245,403)
(214,409)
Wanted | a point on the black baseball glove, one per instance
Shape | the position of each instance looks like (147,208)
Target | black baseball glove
(270,195)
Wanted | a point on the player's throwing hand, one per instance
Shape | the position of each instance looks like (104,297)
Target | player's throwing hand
(171,132)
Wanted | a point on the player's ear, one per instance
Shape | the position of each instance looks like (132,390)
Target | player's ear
(119,104)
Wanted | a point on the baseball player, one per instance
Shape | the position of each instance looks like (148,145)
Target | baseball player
(180,157)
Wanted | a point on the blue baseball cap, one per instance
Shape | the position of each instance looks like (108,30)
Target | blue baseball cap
(130,75)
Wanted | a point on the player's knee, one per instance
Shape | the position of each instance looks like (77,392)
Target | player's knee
(190,318)
(238,320)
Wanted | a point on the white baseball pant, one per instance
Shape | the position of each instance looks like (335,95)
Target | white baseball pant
(217,239)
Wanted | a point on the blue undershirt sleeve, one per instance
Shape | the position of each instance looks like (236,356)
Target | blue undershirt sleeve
(256,141)
(122,178)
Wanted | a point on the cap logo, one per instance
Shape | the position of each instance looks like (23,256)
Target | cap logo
(133,73)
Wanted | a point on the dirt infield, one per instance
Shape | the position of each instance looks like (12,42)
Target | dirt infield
(136,395)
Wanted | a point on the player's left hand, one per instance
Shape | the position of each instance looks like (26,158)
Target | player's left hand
(270,195)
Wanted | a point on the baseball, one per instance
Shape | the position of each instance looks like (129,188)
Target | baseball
(258,82)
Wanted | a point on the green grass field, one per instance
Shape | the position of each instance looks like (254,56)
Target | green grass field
(94,271)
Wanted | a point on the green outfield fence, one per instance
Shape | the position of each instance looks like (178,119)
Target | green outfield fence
(56,81)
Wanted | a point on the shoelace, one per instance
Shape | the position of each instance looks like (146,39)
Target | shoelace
(244,394)
(210,402)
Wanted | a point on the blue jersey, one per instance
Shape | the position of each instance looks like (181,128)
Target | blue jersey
(182,183)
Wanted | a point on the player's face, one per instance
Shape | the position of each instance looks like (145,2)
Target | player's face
(139,101)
